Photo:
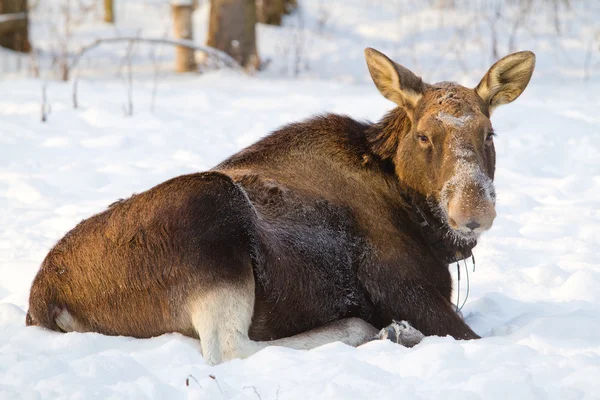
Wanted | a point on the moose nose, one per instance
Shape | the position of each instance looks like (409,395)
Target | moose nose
(463,218)
(473,225)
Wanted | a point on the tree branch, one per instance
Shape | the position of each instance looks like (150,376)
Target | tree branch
(220,55)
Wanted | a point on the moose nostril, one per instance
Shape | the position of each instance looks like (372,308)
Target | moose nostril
(473,225)
(452,223)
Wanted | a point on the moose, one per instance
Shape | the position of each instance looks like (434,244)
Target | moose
(325,230)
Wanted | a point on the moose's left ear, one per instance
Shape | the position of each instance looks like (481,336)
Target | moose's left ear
(507,79)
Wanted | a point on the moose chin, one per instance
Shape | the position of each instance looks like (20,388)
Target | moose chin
(325,230)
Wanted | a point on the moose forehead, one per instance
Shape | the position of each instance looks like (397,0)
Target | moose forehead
(452,108)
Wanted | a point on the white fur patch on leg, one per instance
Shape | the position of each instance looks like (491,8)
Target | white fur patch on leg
(222,318)
(67,323)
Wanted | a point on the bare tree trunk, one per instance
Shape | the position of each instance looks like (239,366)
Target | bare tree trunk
(109,15)
(232,29)
(14,25)
(185,60)
(270,11)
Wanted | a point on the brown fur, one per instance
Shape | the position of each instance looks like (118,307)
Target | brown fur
(321,212)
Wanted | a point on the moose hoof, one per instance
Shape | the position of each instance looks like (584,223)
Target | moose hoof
(402,333)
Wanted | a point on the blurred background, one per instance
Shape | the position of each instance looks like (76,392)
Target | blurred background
(323,39)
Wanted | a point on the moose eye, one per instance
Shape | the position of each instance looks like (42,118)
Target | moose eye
(490,136)
(423,139)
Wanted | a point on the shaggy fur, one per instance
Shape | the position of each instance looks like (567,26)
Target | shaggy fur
(314,218)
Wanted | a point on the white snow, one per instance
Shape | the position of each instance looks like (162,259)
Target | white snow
(13,16)
(453,120)
(535,295)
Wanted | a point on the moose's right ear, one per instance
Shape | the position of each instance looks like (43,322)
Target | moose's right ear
(395,82)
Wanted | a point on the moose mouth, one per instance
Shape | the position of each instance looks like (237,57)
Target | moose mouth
(458,237)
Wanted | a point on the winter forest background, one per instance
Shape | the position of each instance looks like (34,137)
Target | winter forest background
(102,99)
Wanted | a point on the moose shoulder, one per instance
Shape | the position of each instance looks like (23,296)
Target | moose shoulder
(325,230)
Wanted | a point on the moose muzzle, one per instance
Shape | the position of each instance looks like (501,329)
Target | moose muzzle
(469,199)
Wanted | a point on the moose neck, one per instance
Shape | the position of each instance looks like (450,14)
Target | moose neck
(383,138)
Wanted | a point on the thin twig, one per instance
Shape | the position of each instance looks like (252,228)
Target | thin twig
(156,71)
(44,117)
(74,94)
(255,391)
(129,106)
(187,380)
(214,378)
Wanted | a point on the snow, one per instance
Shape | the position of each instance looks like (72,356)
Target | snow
(182,2)
(534,296)
(12,17)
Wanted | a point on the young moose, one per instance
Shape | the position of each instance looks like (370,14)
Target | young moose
(326,230)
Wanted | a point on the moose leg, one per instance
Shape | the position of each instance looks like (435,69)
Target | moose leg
(222,318)
(429,312)
(422,305)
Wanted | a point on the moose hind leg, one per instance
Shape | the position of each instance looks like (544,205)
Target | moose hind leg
(222,319)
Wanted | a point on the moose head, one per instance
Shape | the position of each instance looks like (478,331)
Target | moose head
(444,147)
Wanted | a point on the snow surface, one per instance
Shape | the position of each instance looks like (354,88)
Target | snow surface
(534,297)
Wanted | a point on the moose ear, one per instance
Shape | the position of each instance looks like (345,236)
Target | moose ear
(395,82)
(507,79)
